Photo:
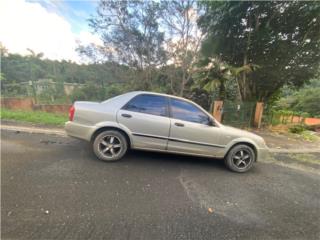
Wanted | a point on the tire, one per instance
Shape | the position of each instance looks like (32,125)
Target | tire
(240,158)
(110,145)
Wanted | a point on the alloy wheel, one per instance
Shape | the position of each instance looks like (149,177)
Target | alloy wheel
(110,146)
(242,158)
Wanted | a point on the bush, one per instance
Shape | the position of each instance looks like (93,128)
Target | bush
(88,93)
(96,93)
(297,129)
(305,99)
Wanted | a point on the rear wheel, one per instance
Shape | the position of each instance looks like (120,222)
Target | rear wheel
(110,145)
(240,158)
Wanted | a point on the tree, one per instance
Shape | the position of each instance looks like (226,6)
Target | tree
(131,36)
(282,38)
(213,74)
(182,39)
(17,71)
(16,68)
(35,70)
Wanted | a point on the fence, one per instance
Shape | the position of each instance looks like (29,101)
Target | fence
(238,114)
(43,91)
(244,114)
(272,117)
(17,103)
(29,104)
(251,114)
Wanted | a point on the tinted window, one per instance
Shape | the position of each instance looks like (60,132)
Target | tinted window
(188,112)
(150,104)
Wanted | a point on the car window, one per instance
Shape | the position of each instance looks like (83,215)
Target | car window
(150,104)
(187,112)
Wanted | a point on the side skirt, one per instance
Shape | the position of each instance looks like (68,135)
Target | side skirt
(177,152)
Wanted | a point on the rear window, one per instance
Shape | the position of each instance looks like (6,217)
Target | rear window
(149,104)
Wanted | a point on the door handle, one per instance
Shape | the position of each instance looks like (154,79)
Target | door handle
(179,124)
(126,115)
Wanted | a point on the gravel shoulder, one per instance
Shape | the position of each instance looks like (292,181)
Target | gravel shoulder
(288,141)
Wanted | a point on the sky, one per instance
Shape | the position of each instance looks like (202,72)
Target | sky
(54,28)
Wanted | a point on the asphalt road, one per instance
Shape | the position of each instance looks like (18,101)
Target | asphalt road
(54,188)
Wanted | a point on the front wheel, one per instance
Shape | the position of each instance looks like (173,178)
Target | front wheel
(240,158)
(110,145)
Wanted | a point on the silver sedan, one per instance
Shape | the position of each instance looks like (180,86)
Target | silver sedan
(162,123)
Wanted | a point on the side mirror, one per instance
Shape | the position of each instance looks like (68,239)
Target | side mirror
(211,122)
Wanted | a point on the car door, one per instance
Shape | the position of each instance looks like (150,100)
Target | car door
(147,118)
(192,130)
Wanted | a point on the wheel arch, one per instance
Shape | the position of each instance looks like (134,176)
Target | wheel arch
(106,128)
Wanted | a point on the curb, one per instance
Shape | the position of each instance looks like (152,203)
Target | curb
(49,131)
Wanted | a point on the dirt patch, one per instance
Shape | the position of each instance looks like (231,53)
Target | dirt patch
(307,159)
(283,140)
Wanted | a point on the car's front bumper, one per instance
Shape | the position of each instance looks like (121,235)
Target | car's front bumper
(79,130)
(263,154)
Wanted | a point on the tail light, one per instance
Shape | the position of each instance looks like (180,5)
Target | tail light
(71,113)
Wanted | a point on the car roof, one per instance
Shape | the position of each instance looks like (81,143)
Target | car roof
(159,94)
(166,95)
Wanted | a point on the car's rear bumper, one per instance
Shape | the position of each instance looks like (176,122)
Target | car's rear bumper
(79,130)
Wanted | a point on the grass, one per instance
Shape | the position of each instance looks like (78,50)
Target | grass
(302,131)
(309,136)
(34,117)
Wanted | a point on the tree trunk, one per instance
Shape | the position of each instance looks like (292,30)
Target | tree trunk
(222,91)
(244,77)
(245,85)
(183,82)
(239,90)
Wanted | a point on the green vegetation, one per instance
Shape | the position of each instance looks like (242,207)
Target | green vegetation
(297,128)
(269,43)
(306,99)
(34,117)
(92,92)
(309,136)
(21,73)
(302,131)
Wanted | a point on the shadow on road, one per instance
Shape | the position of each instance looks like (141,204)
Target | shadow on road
(167,158)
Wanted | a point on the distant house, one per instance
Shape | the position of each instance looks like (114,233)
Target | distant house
(39,86)
(70,87)
(44,84)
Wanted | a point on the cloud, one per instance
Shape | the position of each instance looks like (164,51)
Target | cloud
(86,38)
(29,25)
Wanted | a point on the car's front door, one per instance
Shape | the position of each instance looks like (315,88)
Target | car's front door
(146,116)
(191,131)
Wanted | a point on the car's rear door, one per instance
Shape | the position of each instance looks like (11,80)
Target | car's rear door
(191,131)
(147,118)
